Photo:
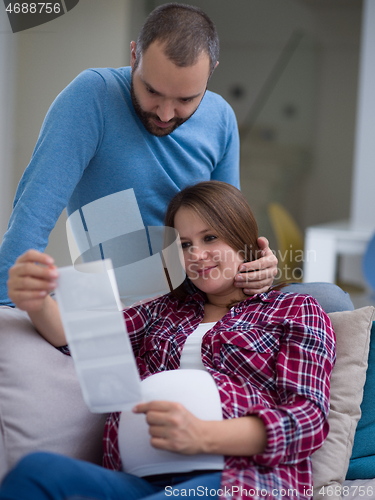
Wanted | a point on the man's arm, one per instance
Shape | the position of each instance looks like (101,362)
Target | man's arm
(67,141)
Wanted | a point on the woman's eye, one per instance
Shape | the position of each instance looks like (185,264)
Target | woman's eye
(185,244)
(210,237)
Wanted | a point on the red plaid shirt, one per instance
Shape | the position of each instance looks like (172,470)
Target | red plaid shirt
(270,356)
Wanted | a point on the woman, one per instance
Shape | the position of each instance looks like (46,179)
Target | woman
(270,356)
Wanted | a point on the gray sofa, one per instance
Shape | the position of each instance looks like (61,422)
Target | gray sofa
(41,407)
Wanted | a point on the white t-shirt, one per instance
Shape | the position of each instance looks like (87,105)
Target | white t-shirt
(190,385)
(191,353)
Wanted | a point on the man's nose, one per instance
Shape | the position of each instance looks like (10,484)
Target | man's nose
(166,111)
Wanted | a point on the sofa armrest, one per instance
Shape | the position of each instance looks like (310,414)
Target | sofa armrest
(41,405)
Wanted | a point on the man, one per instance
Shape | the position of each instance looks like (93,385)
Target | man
(152,127)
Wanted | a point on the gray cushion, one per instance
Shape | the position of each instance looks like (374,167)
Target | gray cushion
(331,461)
(330,296)
(41,405)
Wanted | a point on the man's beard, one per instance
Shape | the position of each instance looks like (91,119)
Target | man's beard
(147,118)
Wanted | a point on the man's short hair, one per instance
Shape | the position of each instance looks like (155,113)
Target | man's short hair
(185,31)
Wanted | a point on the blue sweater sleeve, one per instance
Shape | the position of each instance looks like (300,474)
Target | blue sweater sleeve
(227,169)
(69,137)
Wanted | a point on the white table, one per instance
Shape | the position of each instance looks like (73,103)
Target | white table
(325,242)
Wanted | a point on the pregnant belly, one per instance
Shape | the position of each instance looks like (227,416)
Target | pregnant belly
(197,391)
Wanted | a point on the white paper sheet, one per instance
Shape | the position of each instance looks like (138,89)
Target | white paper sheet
(117,263)
(88,300)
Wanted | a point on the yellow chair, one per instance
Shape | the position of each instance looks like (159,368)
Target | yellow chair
(289,240)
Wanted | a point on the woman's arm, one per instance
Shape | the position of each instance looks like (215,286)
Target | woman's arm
(31,280)
(298,424)
(172,427)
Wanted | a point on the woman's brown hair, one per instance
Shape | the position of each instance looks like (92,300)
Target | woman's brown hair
(225,209)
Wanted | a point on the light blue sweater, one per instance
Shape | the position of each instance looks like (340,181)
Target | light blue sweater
(93,144)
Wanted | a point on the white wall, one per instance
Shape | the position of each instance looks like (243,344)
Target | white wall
(95,33)
(363,197)
(253,34)
(328,195)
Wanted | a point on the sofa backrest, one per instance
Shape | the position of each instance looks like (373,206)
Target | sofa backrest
(41,405)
